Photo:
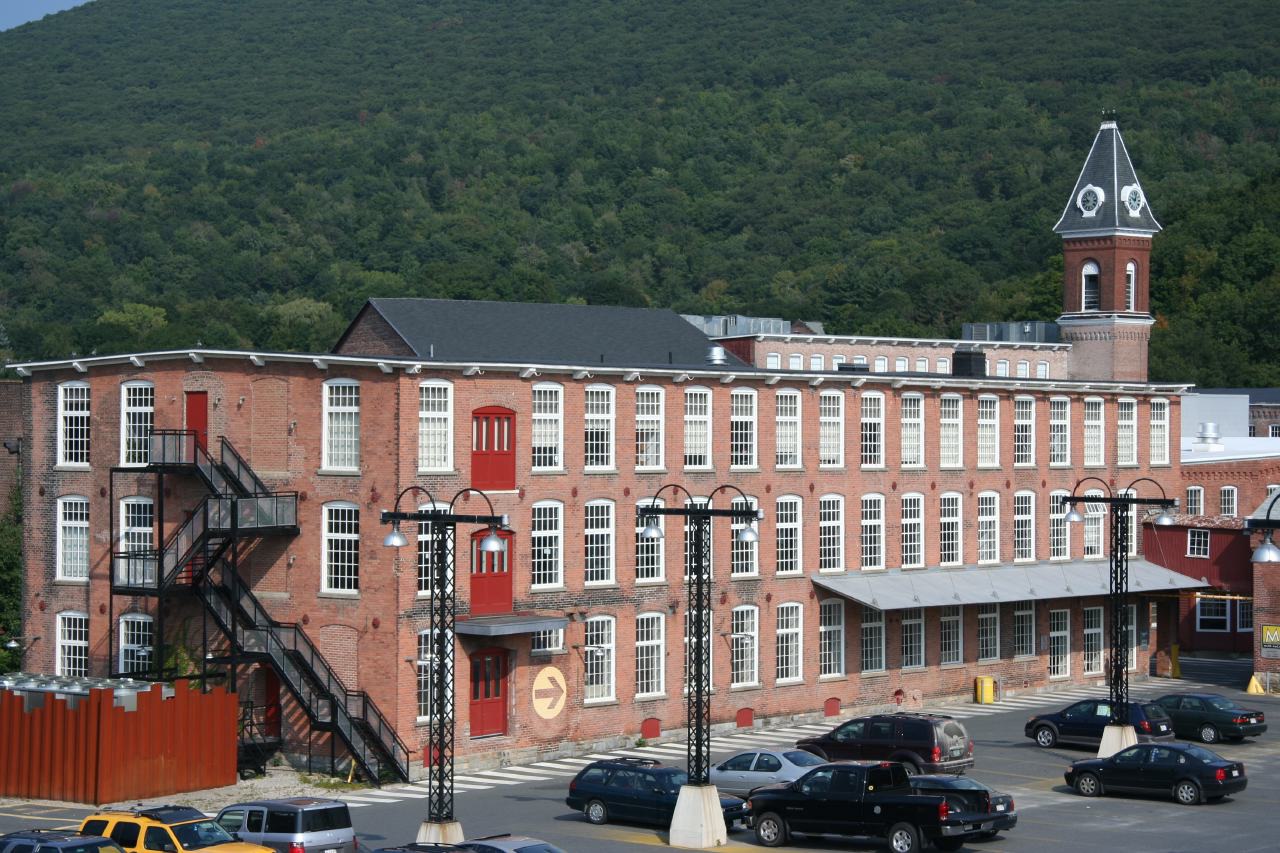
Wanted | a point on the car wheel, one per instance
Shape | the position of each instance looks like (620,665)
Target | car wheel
(771,830)
(904,838)
(911,767)
(1046,737)
(1088,785)
(1209,733)
(597,812)
(1187,793)
(950,843)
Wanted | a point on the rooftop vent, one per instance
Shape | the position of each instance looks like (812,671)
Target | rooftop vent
(971,363)
(717,356)
(1207,438)
(854,367)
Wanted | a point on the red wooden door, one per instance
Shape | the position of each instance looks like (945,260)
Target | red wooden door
(198,417)
(489,692)
(493,449)
(271,698)
(490,576)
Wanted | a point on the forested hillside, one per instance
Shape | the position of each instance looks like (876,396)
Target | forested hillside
(246,172)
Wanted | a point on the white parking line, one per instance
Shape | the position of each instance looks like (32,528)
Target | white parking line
(502,776)
(490,780)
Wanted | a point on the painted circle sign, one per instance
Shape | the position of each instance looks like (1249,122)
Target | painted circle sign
(549,692)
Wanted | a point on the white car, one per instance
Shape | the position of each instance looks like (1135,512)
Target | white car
(740,773)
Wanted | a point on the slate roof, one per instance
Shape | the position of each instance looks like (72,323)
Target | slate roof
(538,333)
(1109,169)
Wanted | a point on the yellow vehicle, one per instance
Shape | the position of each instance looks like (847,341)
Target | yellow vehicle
(165,829)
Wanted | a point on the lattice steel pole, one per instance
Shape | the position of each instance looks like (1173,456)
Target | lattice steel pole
(699,710)
(1118,672)
(444,613)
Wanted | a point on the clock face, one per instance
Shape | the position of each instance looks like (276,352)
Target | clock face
(1134,200)
(1089,200)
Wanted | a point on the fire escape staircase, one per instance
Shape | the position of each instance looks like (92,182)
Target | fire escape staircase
(196,557)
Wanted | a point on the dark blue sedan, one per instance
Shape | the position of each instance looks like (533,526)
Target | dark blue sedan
(1188,773)
(1082,723)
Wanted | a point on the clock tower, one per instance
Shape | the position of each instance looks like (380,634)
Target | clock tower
(1106,231)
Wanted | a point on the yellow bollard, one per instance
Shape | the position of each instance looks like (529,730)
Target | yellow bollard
(1175,671)
(1255,686)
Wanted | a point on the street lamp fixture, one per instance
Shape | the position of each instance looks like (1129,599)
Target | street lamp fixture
(15,644)
(1267,552)
(1120,733)
(440,825)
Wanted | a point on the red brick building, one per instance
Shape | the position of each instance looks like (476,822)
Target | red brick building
(201,504)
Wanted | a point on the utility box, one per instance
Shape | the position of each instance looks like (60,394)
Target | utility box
(984,690)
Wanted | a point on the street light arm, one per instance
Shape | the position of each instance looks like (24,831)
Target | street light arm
(1074,489)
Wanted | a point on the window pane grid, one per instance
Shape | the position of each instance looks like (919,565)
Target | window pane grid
(697,429)
(649,553)
(342,549)
(135,644)
(342,418)
(831,430)
(73,644)
(988,528)
(435,427)
(138,418)
(912,637)
(872,639)
(988,432)
(74,419)
(988,632)
(1024,631)
(787,535)
(872,539)
(744,556)
(1059,643)
(950,432)
(787,428)
(547,428)
(742,429)
(1092,648)
(951,635)
(872,450)
(1059,432)
(430,575)
(1093,443)
(1024,431)
(73,539)
(599,656)
(831,638)
(1093,519)
(598,542)
(1159,436)
(1126,432)
(912,531)
(830,534)
(949,545)
(743,667)
(545,543)
(649,654)
(1195,500)
(649,428)
(912,431)
(1059,530)
(1024,526)
(788,648)
(597,439)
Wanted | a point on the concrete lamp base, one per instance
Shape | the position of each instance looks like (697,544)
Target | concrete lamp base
(440,832)
(698,821)
(1116,738)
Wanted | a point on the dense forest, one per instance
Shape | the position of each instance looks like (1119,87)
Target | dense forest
(247,172)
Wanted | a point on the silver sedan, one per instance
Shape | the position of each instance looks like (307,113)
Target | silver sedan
(740,773)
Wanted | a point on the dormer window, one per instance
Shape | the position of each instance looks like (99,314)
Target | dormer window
(1130,282)
(1091,288)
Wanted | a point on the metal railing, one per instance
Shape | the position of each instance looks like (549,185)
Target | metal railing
(168,447)
(242,476)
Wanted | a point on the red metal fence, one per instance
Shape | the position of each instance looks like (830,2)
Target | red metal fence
(99,753)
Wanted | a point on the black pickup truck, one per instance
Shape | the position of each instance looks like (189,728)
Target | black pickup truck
(866,798)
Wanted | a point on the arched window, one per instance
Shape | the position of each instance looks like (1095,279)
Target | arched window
(1090,287)
(1130,286)
(137,417)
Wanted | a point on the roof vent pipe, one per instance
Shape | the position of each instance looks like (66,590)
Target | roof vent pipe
(1207,437)
(716,355)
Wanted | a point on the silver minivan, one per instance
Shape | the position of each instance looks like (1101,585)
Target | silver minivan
(298,825)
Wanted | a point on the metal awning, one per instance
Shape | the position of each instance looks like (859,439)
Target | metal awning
(898,589)
(508,624)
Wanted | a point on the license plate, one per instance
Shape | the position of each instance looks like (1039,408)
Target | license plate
(1253,719)
(957,751)
(1164,728)
(1235,772)
(1000,807)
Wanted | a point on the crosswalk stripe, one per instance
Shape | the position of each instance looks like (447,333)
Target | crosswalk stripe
(531,772)
(490,780)
(504,776)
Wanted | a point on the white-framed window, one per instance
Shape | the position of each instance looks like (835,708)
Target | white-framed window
(1195,500)
(1130,281)
(789,644)
(137,517)
(744,557)
(1059,529)
(988,527)
(988,432)
(425,665)
(1059,643)
(831,533)
(547,641)
(1134,526)
(1059,432)
(951,431)
(547,440)
(831,429)
(912,431)
(1042,370)
(881,364)
(341,425)
(872,639)
(649,430)
(787,429)
(1024,368)
(742,428)
(597,542)
(744,639)
(1024,431)
(650,654)
(689,620)
(1092,648)
(1002,367)
(795,361)
(597,428)
(900,364)
(1197,543)
(922,365)
(912,638)
(1244,615)
(1126,432)
(1094,442)
(831,637)
(1024,629)
(1094,515)
(872,448)
(951,634)
(1158,435)
(1212,614)
(435,425)
(816,362)
(1090,287)
(432,573)
(697,428)
(1273,430)
(135,643)
(1227,501)
(73,424)
(787,535)
(912,531)
(546,544)
(836,361)
(690,552)
(950,542)
(872,533)
(944,365)
(1131,636)
(1024,526)
(988,632)
(860,359)
(599,659)
(773,361)
(137,418)
(650,559)
(73,538)
(340,549)
(73,644)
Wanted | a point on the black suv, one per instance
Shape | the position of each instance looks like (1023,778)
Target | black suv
(924,743)
(55,841)
(637,789)
(1084,722)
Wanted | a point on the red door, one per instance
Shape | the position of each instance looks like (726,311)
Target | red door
(271,698)
(490,576)
(493,449)
(198,417)
(489,692)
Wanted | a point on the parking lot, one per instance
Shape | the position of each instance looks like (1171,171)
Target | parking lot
(530,799)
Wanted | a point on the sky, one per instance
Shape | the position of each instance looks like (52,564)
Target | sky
(15,12)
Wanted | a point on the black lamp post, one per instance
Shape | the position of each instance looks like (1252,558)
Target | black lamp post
(440,825)
(699,798)
(1121,506)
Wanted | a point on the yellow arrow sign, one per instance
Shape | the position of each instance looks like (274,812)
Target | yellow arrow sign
(549,692)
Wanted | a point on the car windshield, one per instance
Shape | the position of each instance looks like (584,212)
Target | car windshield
(675,781)
(1221,703)
(1154,711)
(803,759)
(200,834)
(1204,755)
